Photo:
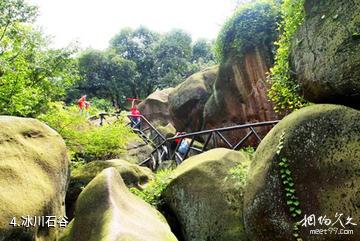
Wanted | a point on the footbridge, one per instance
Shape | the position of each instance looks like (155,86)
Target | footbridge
(168,148)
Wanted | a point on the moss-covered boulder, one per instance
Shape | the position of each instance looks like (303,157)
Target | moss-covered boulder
(137,150)
(132,174)
(325,52)
(107,211)
(204,200)
(33,177)
(167,130)
(156,106)
(188,99)
(308,164)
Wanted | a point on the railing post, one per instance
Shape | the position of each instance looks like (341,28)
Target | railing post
(188,150)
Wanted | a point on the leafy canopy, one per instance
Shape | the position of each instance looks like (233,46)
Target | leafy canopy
(252,25)
(31,74)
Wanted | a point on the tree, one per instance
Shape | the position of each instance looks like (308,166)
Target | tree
(202,51)
(31,75)
(138,46)
(105,75)
(173,55)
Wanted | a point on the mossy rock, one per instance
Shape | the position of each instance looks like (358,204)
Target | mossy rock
(33,177)
(136,150)
(156,106)
(187,101)
(325,52)
(132,174)
(107,211)
(166,130)
(204,199)
(321,144)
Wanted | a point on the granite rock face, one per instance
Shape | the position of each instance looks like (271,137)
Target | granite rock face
(325,52)
(33,178)
(321,146)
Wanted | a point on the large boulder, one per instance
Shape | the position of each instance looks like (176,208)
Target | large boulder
(136,150)
(204,201)
(240,95)
(188,99)
(106,210)
(309,164)
(240,92)
(156,107)
(325,52)
(132,174)
(33,178)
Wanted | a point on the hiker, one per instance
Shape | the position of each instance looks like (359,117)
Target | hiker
(135,116)
(81,103)
(184,143)
(87,107)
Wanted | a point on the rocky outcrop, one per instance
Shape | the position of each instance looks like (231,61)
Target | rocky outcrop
(188,99)
(136,150)
(203,201)
(325,52)
(232,94)
(240,96)
(156,107)
(240,92)
(132,174)
(106,210)
(167,131)
(321,148)
(33,178)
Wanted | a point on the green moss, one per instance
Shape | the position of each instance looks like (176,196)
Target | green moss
(106,210)
(321,148)
(151,193)
(204,190)
(252,25)
(33,173)
(132,174)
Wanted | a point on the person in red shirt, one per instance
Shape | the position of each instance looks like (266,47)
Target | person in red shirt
(81,103)
(135,116)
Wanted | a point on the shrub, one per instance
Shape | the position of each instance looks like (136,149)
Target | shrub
(152,192)
(84,140)
(284,91)
(102,104)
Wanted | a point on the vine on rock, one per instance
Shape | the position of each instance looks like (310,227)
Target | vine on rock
(292,201)
(285,92)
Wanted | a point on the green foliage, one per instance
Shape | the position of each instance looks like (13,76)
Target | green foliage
(202,52)
(138,62)
(239,174)
(252,25)
(84,140)
(103,105)
(285,92)
(138,46)
(104,75)
(152,191)
(173,54)
(248,150)
(292,201)
(31,74)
